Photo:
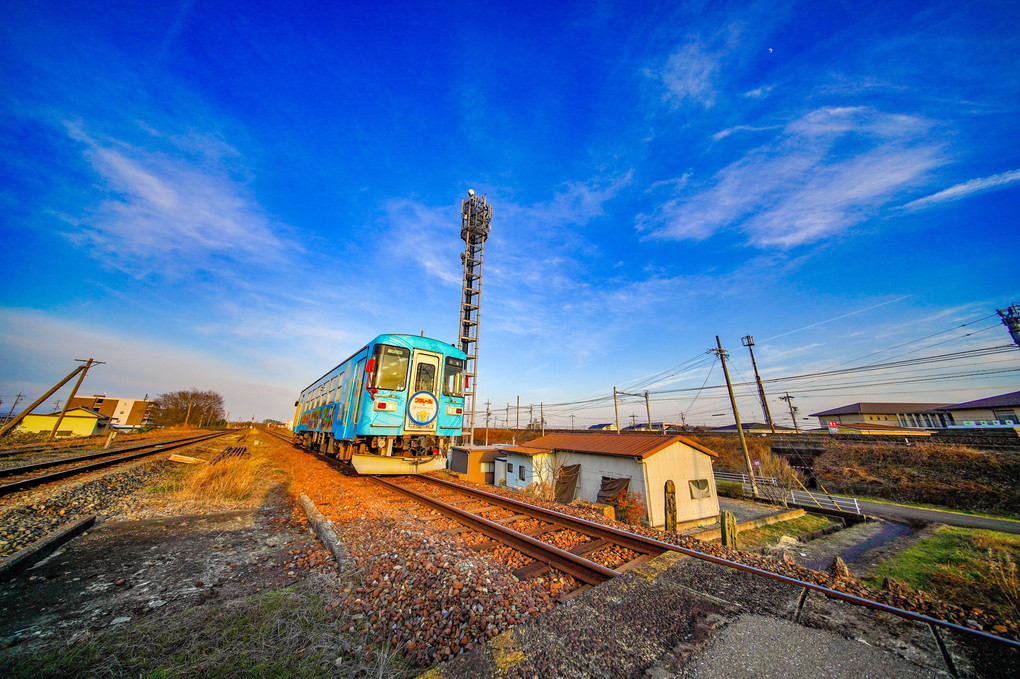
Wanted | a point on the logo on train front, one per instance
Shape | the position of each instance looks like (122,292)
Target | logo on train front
(422,408)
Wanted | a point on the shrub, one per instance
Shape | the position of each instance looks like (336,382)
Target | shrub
(630,508)
(730,489)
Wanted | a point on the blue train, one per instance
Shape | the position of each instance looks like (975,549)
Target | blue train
(391,408)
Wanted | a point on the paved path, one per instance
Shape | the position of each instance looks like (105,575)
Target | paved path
(901,513)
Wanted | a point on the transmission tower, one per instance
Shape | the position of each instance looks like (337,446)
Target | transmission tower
(476,215)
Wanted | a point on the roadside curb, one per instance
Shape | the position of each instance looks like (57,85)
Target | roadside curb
(43,547)
(324,529)
(715,534)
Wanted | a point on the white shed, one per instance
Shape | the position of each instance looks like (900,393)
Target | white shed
(646,463)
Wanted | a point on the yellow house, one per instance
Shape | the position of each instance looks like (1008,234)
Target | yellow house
(77,422)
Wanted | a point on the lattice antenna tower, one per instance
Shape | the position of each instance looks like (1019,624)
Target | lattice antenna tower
(476,215)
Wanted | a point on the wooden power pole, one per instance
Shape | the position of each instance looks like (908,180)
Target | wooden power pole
(14,422)
(88,364)
(736,416)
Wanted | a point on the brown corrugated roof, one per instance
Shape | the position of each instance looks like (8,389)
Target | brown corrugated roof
(624,445)
(881,409)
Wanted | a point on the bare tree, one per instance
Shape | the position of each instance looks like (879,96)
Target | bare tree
(198,408)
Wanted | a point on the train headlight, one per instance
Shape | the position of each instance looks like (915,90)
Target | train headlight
(454,410)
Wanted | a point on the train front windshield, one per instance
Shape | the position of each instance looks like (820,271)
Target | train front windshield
(391,372)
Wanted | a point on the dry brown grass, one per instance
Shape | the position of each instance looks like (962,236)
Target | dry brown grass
(952,476)
(232,479)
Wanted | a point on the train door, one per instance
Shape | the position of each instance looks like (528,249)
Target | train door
(423,404)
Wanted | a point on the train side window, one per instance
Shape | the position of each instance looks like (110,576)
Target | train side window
(425,379)
(453,378)
(391,367)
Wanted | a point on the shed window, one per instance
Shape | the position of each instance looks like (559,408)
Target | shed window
(520,472)
(699,489)
(509,468)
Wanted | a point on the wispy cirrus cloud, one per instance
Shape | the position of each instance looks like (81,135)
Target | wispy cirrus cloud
(722,134)
(690,74)
(428,235)
(821,174)
(170,208)
(964,189)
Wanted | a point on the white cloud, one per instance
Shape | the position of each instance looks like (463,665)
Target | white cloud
(690,75)
(722,134)
(39,348)
(759,92)
(823,173)
(430,236)
(964,189)
(171,212)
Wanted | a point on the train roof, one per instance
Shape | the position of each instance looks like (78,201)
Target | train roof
(409,341)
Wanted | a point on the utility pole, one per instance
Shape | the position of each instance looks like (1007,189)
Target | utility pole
(571,422)
(616,408)
(488,413)
(541,415)
(531,415)
(518,413)
(793,411)
(633,421)
(88,364)
(648,411)
(17,400)
(13,423)
(1011,319)
(748,342)
(187,416)
(736,416)
(508,416)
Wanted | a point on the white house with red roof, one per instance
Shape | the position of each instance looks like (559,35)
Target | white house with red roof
(595,467)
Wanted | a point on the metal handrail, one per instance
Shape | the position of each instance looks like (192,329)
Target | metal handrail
(802,497)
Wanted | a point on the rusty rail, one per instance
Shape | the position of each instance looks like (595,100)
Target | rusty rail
(615,534)
(15,486)
(584,570)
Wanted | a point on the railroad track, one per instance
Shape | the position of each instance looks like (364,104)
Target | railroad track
(104,459)
(647,547)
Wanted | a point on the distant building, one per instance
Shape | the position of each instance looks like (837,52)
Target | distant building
(608,426)
(124,413)
(1001,410)
(78,421)
(995,411)
(601,465)
(909,415)
(750,428)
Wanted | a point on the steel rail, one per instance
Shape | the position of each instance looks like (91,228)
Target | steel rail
(15,486)
(24,469)
(619,537)
(584,570)
(584,525)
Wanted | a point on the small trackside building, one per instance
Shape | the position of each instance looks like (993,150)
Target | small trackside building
(78,421)
(649,465)
(476,464)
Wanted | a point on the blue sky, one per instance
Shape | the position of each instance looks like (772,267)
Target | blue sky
(236,196)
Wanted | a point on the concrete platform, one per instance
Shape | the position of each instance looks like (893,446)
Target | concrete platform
(678,616)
